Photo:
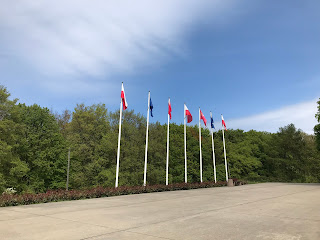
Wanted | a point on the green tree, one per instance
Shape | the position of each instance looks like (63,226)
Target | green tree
(244,156)
(85,135)
(312,159)
(63,121)
(157,153)
(34,143)
(290,145)
(43,149)
(133,137)
(13,170)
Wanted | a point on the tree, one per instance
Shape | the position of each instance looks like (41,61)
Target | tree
(63,121)
(85,135)
(34,143)
(312,159)
(133,137)
(290,146)
(43,149)
(245,156)
(13,170)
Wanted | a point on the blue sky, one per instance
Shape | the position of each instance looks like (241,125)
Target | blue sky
(257,62)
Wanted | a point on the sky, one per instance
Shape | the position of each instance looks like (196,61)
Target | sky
(255,62)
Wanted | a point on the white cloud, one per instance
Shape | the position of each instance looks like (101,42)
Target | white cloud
(301,114)
(100,37)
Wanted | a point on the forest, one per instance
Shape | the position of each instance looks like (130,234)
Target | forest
(34,145)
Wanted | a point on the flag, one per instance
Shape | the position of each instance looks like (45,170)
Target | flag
(212,126)
(169,108)
(151,107)
(203,118)
(188,114)
(123,98)
(223,123)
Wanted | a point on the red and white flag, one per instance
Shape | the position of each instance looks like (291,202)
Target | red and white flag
(203,118)
(123,98)
(223,123)
(169,108)
(188,114)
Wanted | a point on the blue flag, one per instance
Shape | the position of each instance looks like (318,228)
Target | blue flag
(151,107)
(212,126)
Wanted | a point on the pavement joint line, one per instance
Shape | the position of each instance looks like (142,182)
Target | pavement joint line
(240,204)
(125,230)
(282,217)
(149,235)
(68,220)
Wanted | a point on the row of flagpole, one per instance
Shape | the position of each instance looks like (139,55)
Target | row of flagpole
(187,118)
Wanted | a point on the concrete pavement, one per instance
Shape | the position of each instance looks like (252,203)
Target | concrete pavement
(259,211)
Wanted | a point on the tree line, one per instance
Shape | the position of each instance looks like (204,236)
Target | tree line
(34,144)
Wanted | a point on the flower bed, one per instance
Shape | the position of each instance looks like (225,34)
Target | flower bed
(97,192)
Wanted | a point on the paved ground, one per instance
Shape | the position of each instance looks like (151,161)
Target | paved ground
(260,211)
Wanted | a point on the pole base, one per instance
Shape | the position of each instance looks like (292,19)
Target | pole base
(230,182)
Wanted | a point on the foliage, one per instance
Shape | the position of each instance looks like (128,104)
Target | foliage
(34,145)
(13,169)
(32,148)
(97,192)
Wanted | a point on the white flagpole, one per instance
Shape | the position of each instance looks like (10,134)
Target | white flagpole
(185,146)
(213,155)
(200,147)
(214,159)
(146,153)
(167,167)
(225,154)
(119,137)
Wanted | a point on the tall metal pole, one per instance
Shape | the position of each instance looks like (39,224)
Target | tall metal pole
(68,170)
(185,146)
(214,158)
(200,147)
(225,154)
(118,153)
(146,152)
(167,166)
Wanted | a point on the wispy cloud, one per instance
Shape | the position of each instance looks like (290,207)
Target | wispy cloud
(301,114)
(99,37)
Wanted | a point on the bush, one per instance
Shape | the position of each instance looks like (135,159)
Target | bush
(97,192)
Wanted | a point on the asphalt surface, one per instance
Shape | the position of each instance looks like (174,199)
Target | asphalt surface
(258,211)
